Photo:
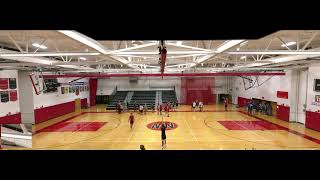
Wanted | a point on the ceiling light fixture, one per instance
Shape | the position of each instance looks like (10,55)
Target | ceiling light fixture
(85,40)
(243,57)
(227,45)
(179,43)
(289,44)
(244,43)
(83,58)
(39,46)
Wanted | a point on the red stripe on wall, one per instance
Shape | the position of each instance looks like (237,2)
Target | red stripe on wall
(50,112)
(11,119)
(242,102)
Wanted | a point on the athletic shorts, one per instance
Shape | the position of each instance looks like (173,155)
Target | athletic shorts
(164,137)
(141,110)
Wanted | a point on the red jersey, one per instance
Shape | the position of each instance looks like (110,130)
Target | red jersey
(166,108)
(131,118)
(225,101)
(160,107)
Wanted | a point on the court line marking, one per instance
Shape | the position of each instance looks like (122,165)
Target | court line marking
(191,132)
(305,136)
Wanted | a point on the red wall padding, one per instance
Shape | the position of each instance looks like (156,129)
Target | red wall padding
(46,113)
(283,112)
(313,120)
(242,102)
(93,91)
(84,103)
(11,119)
(201,89)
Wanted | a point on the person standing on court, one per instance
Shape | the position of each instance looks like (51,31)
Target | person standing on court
(226,104)
(193,105)
(141,109)
(163,135)
(201,106)
(131,120)
(160,109)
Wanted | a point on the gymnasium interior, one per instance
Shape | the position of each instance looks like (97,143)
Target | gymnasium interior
(63,88)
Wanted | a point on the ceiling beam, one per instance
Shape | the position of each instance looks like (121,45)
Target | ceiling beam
(274,52)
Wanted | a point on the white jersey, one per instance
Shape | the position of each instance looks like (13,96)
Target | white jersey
(200,104)
(141,108)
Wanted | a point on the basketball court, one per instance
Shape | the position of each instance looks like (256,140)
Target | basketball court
(257,94)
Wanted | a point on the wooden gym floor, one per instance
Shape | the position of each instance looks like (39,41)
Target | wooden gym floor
(96,128)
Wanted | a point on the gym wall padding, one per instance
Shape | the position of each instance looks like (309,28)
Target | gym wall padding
(283,112)
(11,119)
(313,120)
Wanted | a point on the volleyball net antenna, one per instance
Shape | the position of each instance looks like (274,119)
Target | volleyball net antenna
(254,81)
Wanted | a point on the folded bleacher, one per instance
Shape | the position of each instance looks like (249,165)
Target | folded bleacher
(142,98)
(119,96)
(168,96)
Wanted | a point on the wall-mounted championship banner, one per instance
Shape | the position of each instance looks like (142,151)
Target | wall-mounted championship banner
(12,83)
(317,99)
(13,95)
(4,96)
(62,90)
(3,83)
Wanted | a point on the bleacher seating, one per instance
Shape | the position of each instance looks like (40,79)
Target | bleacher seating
(119,96)
(168,96)
(142,98)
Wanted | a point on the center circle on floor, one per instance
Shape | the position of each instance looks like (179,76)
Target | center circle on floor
(157,125)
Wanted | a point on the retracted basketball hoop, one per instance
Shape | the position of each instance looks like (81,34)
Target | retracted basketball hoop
(37,81)
(254,81)
(163,56)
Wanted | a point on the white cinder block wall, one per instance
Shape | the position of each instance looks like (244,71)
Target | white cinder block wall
(50,99)
(298,83)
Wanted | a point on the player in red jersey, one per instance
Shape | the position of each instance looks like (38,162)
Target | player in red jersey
(167,109)
(160,109)
(131,120)
(225,104)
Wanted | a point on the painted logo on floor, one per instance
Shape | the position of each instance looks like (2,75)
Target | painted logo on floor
(157,125)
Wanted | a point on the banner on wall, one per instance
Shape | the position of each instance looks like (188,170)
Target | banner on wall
(282,94)
(62,90)
(3,83)
(12,83)
(13,95)
(4,96)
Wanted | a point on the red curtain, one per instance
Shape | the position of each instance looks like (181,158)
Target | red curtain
(201,89)
(93,91)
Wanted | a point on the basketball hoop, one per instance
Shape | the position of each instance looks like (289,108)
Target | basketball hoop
(253,81)
(37,81)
